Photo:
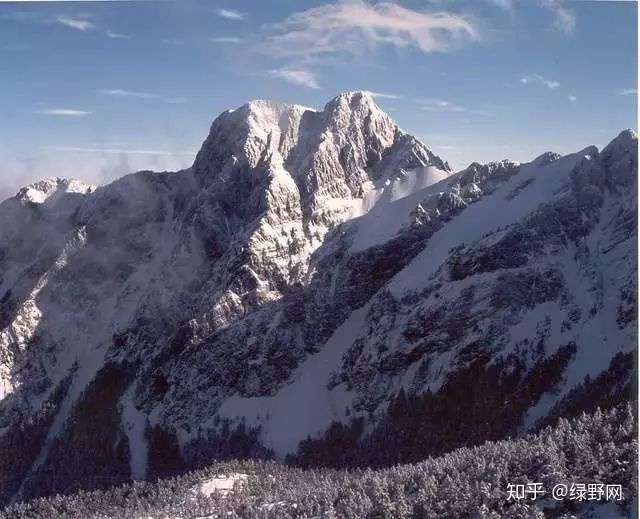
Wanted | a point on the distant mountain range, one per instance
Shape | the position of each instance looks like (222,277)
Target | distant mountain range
(318,287)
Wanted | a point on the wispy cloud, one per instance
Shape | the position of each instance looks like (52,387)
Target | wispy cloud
(439,105)
(117,36)
(442,105)
(110,151)
(299,77)
(225,39)
(573,98)
(381,95)
(537,79)
(355,26)
(92,162)
(84,25)
(628,92)
(230,14)
(68,112)
(75,23)
(119,92)
(564,18)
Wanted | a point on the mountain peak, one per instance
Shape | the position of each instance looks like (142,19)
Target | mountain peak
(625,139)
(626,142)
(628,133)
(546,158)
(358,104)
(349,137)
(262,107)
(354,99)
(621,157)
(43,190)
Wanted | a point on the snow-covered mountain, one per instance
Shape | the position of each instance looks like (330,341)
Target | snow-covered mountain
(311,274)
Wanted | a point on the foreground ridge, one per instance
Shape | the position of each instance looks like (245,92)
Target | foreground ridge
(467,480)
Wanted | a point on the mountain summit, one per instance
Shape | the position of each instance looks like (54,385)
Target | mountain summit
(326,160)
(316,278)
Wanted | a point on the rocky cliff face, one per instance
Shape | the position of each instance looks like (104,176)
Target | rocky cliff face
(308,269)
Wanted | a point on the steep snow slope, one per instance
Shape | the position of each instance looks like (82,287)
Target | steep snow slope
(306,406)
(539,184)
(310,265)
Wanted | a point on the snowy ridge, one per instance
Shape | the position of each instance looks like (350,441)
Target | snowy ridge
(40,192)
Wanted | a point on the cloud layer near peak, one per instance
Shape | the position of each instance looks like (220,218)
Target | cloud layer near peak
(355,26)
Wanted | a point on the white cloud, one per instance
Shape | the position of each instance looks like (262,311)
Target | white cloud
(117,35)
(442,105)
(92,163)
(539,80)
(628,92)
(573,98)
(565,19)
(225,39)
(439,105)
(84,25)
(230,14)
(356,26)
(63,112)
(381,95)
(299,77)
(119,92)
(75,23)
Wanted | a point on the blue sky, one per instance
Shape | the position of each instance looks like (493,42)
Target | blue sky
(95,90)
